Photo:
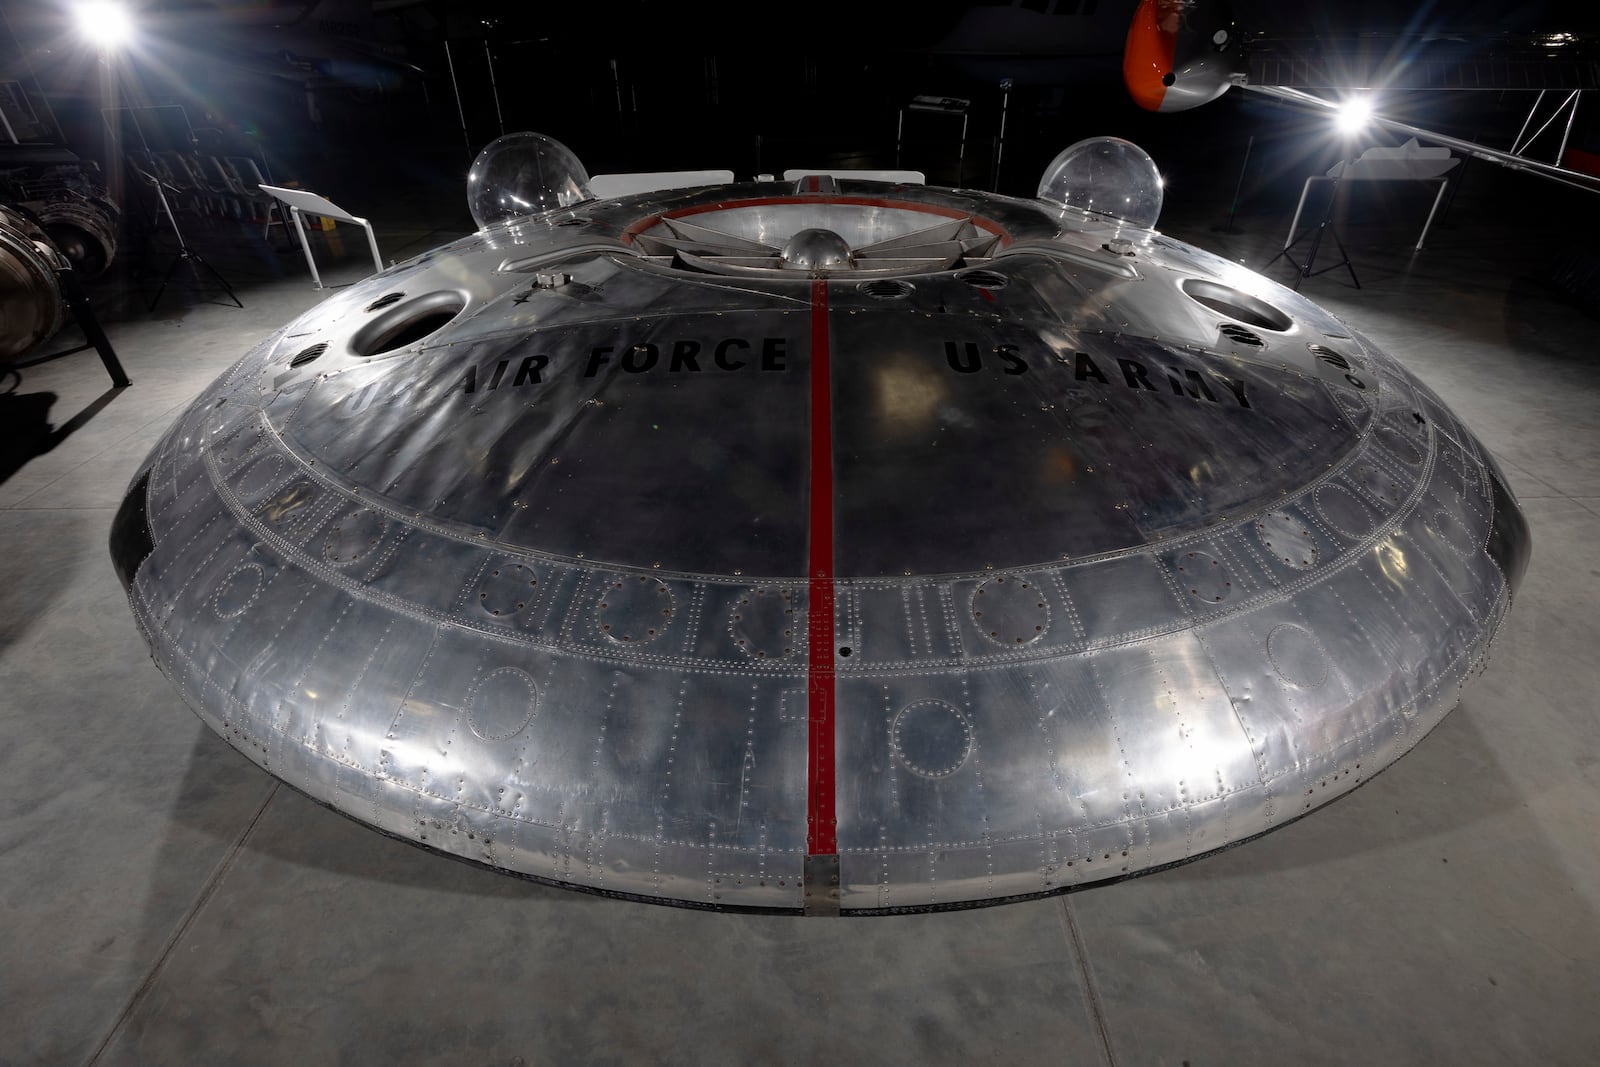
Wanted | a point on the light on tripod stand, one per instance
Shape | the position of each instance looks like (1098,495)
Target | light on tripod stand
(104,23)
(1351,117)
(1354,114)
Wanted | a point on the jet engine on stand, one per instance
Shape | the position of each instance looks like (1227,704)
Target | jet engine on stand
(32,304)
(84,229)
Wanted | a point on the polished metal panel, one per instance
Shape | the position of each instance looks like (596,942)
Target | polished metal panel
(1134,553)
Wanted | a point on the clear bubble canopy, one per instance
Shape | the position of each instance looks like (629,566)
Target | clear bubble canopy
(1105,176)
(524,174)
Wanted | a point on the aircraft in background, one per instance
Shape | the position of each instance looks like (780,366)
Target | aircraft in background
(1181,54)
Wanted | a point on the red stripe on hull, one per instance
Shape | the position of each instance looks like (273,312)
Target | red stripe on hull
(821,823)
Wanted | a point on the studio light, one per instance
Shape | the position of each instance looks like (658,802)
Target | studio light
(1354,114)
(105,23)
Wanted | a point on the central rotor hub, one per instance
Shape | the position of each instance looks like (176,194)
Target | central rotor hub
(817,249)
(764,236)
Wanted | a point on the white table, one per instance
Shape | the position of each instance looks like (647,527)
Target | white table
(300,200)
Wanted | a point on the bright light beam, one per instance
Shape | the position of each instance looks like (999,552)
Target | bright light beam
(1354,114)
(104,23)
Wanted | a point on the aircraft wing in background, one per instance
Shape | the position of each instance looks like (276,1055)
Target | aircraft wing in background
(1181,54)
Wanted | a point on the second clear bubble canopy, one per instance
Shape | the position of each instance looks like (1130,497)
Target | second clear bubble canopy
(1105,176)
(524,174)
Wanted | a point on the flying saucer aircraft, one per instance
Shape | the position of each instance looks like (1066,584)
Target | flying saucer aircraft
(825,545)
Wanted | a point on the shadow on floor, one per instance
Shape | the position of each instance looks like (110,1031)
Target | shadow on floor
(25,429)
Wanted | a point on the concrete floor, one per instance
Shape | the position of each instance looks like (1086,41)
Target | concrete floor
(166,902)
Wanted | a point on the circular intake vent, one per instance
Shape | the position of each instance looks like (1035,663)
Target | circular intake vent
(1225,300)
(887,289)
(407,323)
(984,279)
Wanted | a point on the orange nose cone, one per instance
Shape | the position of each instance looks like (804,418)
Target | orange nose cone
(1147,57)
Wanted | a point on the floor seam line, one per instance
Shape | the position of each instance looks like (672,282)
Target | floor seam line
(207,891)
(1089,990)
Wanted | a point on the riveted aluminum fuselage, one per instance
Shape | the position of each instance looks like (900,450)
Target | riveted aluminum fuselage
(1132,556)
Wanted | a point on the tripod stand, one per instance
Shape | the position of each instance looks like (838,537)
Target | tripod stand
(184,254)
(1325,227)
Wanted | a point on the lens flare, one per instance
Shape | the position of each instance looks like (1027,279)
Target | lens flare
(1354,114)
(104,23)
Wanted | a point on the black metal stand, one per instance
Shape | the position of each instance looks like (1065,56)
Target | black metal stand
(184,255)
(94,336)
(78,301)
(1324,228)
(1233,209)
